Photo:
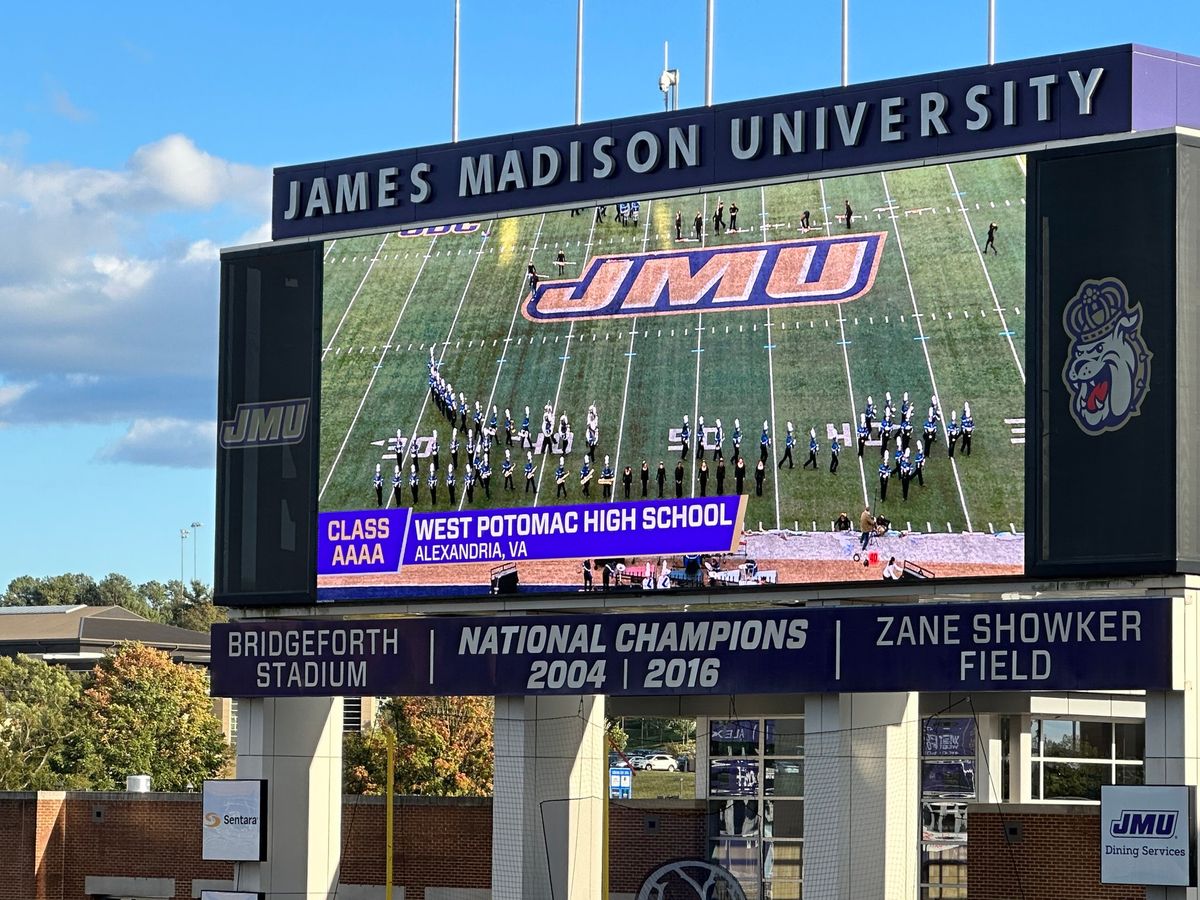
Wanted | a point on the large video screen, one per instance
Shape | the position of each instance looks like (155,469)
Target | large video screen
(707,392)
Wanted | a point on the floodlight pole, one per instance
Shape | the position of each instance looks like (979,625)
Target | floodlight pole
(454,91)
(845,42)
(991,32)
(195,543)
(183,535)
(708,55)
(579,64)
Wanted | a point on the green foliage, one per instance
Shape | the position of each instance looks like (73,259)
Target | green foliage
(173,603)
(144,714)
(364,762)
(617,738)
(38,718)
(443,746)
(135,713)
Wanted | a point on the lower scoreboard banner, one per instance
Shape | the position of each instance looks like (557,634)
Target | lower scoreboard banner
(384,540)
(1110,644)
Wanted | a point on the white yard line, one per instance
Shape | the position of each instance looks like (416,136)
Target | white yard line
(441,356)
(587,250)
(357,290)
(962,207)
(775,474)
(629,355)
(328,250)
(375,374)
(698,350)
(924,343)
(508,338)
(862,473)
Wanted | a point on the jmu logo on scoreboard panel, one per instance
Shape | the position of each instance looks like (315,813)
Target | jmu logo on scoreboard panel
(779,273)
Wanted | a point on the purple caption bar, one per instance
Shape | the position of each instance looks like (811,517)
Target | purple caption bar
(366,541)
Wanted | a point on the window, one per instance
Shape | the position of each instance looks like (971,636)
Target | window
(947,785)
(351,714)
(1071,759)
(755,792)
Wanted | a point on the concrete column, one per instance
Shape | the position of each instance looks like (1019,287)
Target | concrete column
(861,796)
(1020,749)
(1173,720)
(989,760)
(296,745)
(547,809)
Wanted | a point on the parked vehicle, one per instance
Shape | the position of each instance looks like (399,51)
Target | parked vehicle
(660,762)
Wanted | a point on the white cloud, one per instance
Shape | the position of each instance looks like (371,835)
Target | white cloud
(11,393)
(203,251)
(112,275)
(62,104)
(185,175)
(176,443)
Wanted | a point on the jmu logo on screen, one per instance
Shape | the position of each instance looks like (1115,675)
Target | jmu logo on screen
(740,276)
(265,424)
(1147,823)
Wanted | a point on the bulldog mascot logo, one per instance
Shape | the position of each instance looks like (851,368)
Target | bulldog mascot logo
(1107,372)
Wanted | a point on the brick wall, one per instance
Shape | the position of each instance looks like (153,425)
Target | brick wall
(52,841)
(1056,856)
(18,824)
(438,841)
(644,834)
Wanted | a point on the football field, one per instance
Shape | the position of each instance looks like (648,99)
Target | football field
(940,319)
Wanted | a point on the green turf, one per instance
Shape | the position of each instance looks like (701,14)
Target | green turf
(388,301)
(649,785)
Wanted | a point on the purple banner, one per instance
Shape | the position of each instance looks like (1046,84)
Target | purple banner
(1047,645)
(975,110)
(365,541)
(352,543)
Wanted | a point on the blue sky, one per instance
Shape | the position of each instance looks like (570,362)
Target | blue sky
(136,139)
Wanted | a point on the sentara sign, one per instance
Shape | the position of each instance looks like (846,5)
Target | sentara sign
(1146,835)
(965,111)
(1050,645)
(234,824)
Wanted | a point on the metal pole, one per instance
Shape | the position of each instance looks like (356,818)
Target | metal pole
(708,55)
(389,820)
(991,32)
(579,64)
(195,544)
(845,42)
(454,101)
(183,533)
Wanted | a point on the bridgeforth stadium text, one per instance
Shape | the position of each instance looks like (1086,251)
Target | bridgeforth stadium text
(272,672)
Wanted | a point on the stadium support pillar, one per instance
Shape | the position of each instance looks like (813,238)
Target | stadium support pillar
(861,796)
(1172,752)
(547,808)
(296,745)
(989,760)
(1020,748)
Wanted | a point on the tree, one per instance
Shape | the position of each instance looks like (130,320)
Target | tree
(364,761)
(617,738)
(443,744)
(38,720)
(147,715)
(195,609)
(117,590)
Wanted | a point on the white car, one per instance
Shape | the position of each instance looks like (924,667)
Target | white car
(660,762)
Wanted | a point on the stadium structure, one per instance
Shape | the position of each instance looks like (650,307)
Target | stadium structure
(917,675)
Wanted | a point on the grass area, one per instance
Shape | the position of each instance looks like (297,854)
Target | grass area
(940,318)
(649,785)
